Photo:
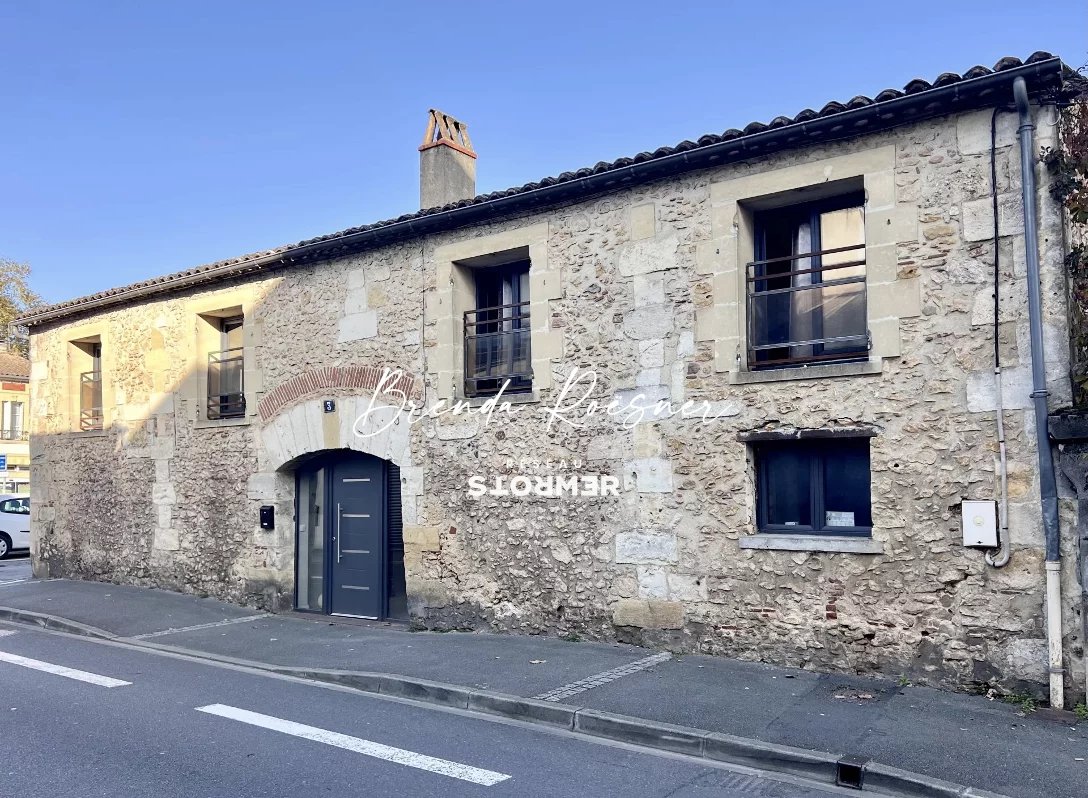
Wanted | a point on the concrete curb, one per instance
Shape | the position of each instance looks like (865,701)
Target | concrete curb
(53,623)
(815,766)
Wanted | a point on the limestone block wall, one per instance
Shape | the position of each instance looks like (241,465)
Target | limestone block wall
(645,287)
(164,496)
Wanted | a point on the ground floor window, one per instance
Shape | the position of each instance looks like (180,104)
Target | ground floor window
(816,486)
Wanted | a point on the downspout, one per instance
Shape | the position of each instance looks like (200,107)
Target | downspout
(1048,489)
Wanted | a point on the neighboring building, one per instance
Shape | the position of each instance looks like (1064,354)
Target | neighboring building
(14,426)
(824,282)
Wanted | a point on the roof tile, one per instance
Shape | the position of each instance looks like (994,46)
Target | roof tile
(14,366)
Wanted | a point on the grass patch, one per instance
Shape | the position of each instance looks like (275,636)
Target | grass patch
(1024,702)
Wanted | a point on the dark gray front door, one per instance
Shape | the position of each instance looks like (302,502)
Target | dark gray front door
(357,550)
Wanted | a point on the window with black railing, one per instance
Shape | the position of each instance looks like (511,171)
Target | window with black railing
(497,333)
(90,400)
(226,373)
(226,390)
(806,293)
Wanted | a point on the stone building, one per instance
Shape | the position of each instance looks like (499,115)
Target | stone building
(795,324)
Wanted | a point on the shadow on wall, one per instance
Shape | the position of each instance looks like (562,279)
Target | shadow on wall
(160,430)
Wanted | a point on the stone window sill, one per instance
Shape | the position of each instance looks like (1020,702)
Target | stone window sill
(826,543)
(814,372)
(90,433)
(213,423)
(512,398)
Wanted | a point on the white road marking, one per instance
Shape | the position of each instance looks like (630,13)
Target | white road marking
(400,756)
(6,632)
(60,670)
(198,627)
(597,679)
(13,582)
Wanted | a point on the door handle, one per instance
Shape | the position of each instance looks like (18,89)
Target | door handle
(338,516)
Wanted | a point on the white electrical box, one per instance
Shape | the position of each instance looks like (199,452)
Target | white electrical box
(980,524)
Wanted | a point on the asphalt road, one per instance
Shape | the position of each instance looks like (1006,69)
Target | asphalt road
(126,722)
(15,568)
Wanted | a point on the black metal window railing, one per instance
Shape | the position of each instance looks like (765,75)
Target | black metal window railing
(226,389)
(807,308)
(497,349)
(90,400)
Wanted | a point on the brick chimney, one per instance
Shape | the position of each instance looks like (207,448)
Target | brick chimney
(447,162)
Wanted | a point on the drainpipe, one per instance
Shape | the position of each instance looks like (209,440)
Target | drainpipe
(1048,489)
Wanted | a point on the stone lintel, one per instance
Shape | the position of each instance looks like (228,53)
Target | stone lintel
(795,434)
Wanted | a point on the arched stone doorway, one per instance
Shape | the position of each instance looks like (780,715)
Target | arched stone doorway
(349,546)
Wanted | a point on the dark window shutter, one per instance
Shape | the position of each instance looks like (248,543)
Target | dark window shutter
(392,486)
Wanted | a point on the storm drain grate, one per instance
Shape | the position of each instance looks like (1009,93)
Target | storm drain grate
(850,772)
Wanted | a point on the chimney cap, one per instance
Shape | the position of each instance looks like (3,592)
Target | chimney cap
(443,129)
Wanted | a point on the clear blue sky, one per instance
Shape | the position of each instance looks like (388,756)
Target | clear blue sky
(140,138)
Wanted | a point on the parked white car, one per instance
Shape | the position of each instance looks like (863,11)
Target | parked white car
(14,523)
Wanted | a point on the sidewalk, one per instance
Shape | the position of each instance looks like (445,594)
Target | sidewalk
(965,739)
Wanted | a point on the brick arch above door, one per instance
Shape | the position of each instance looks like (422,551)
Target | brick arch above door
(336,379)
(306,429)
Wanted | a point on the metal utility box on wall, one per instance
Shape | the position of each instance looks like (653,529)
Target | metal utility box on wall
(980,524)
(268,517)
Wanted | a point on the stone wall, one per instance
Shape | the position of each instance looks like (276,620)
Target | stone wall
(645,287)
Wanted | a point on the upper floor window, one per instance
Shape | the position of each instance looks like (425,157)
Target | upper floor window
(90,384)
(806,288)
(816,486)
(12,427)
(497,332)
(226,389)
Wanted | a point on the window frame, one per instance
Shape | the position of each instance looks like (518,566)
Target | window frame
(216,402)
(812,211)
(818,451)
(9,429)
(87,355)
(91,416)
(517,312)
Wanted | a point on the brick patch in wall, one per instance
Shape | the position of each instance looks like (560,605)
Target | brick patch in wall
(314,380)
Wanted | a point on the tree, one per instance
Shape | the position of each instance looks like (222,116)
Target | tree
(16,299)
(1068,165)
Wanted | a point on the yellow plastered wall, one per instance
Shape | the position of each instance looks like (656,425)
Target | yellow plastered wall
(17,449)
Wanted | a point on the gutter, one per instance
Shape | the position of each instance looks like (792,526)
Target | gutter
(1048,486)
(962,95)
